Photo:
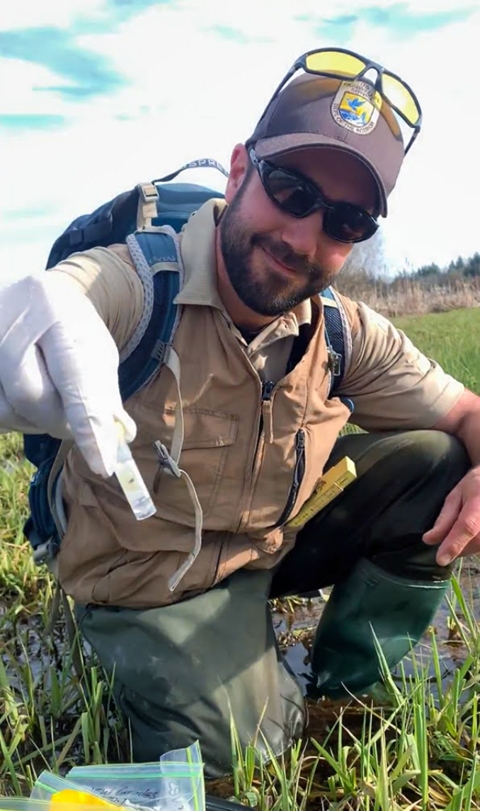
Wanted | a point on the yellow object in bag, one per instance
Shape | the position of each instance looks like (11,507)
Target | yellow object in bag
(70,795)
(68,800)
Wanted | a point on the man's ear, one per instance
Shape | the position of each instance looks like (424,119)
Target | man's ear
(238,170)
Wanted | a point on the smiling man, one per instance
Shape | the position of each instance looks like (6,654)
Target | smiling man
(260,425)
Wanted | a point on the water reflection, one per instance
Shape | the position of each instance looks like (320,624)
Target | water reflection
(296,629)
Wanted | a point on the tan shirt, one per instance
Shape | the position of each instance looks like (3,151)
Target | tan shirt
(392,384)
(240,451)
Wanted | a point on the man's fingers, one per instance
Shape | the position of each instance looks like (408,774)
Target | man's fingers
(465,529)
(445,520)
(31,394)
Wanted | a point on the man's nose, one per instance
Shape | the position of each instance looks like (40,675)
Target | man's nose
(305,235)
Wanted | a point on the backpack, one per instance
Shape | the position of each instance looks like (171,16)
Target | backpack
(128,218)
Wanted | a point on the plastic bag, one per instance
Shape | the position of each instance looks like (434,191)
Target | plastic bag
(82,802)
(57,791)
(136,784)
(173,783)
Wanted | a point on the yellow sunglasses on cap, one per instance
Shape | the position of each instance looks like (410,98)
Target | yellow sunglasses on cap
(340,63)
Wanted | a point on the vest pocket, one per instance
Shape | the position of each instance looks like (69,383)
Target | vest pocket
(208,438)
(298,474)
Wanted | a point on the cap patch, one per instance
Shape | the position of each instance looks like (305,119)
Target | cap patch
(356,107)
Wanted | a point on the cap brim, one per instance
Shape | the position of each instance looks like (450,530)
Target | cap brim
(282,144)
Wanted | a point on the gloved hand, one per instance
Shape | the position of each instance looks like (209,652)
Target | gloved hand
(59,368)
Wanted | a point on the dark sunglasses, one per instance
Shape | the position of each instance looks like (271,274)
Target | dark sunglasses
(299,197)
(340,63)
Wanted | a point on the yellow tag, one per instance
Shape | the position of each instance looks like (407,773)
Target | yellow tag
(328,487)
(70,795)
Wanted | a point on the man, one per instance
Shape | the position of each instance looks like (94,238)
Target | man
(259,429)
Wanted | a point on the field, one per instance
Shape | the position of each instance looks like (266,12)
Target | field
(414,747)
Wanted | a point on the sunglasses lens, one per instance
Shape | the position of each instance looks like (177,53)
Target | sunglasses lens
(400,96)
(299,198)
(334,62)
(289,192)
(349,223)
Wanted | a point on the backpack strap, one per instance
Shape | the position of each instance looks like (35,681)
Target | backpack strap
(155,255)
(169,206)
(199,163)
(338,337)
(158,252)
(157,259)
(161,277)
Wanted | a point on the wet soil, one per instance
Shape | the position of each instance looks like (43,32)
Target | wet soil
(296,629)
(295,621)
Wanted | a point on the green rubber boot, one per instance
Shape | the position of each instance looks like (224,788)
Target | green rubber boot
(370,603)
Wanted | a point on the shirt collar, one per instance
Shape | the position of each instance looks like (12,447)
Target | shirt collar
(197,248)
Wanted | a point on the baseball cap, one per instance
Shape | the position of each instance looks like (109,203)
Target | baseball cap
(349,115)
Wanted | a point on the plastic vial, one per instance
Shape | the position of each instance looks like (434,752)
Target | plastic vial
(131,482)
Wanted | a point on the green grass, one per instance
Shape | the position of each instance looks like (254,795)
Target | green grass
(414,750)
(452,339)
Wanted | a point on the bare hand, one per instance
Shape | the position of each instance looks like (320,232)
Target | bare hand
(457,528)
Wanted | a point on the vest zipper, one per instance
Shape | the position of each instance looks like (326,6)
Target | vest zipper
(267,388)
(298,474)
(266,416)
(265,432)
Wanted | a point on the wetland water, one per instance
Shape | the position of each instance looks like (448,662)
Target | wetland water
(296,628)
(295,622)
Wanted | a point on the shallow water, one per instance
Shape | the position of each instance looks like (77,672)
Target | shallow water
(296,629)
(26,641)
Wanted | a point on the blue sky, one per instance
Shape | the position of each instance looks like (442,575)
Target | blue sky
(96,95)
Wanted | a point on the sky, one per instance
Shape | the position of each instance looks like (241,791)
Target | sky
(97,95)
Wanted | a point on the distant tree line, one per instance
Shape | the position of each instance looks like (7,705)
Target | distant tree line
(365,274)
(459,269)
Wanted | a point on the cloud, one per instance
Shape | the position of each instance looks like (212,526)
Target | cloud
(400,18)
(407,22)
(32,212)
(337,29)
(25,121)
(57,13)
(88,74)
(232,34)
(122,10)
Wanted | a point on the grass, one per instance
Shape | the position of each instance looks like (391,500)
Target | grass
(416,749)
(451,339)
(409,296)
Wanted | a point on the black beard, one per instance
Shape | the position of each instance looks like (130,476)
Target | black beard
(270,297)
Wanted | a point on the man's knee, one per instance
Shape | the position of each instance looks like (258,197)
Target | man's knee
(430,464)
(402,481)
(393,466)
(183,672)
(432,452)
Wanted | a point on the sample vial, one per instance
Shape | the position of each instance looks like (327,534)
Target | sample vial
(131,482)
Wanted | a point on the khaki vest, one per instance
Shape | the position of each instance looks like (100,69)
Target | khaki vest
(242,453)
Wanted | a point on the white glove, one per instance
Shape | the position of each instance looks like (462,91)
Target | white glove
(59,369)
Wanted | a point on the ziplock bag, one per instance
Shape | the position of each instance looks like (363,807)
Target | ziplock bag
(173,783)
(82,802)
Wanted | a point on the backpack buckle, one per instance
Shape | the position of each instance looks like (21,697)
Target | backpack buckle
(148,191)
(147,205)
(334,362)
(166,462)
(45,552)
